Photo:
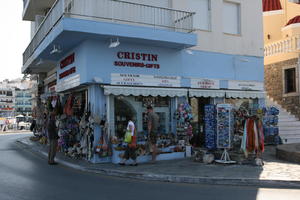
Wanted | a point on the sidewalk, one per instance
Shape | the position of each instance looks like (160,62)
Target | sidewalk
(275,173)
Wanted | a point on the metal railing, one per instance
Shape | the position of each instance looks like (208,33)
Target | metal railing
(287,45)
(111,11)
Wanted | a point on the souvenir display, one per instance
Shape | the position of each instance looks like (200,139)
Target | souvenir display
(225,125)
(184,117)
(270,125)
(210,126)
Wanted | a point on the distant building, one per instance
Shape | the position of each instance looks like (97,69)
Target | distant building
(7,101)
(23,102)
(282,47)
(15,97)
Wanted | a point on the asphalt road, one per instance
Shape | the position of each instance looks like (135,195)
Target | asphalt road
(27,176)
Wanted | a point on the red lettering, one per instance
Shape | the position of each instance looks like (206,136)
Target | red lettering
(153,57)
(144,56)
(138,56)
(127,55)
(67,72)
(120,55)
(67,61)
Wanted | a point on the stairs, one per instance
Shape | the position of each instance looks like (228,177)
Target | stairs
(289,125)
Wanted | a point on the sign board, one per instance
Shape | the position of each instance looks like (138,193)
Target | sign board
(145,80)
(68,83)
(205,83)
(245,85)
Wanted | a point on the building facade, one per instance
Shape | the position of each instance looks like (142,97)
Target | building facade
(117,57)
(15,97)
(23,105)
(282,52)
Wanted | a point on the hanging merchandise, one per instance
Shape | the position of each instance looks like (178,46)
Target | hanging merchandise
(68,106)
(184,118)
(270,125)
(210,126)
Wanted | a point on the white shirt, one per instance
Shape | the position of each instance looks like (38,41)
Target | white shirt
(131,124)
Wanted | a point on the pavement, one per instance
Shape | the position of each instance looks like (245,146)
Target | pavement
(274,173)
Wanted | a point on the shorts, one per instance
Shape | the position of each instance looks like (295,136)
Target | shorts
(153,137)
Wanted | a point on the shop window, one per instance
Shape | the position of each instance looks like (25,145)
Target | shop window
(123,113)
(290,80)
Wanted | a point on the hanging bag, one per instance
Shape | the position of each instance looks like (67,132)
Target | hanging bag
(127,137)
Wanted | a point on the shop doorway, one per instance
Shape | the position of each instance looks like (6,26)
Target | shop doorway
(198,119)
(124,111)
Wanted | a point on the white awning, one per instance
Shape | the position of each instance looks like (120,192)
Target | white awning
(206,93)
(144,91)
(245,94)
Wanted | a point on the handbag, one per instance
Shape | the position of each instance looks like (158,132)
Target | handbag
(133,144)
(127,137)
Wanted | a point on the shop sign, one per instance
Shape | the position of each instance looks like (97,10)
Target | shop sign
(67,72)
(245,85)
(145,80)
(52,86)
(68,83)
(137,59)
(205,83)
(67,61)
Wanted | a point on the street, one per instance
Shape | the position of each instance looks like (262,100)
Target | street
(25,175)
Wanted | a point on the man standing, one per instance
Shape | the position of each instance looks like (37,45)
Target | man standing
(52,136)
(152,130)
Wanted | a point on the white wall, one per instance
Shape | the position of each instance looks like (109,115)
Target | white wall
(249,42)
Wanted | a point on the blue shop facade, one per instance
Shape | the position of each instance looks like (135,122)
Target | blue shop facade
(108,86)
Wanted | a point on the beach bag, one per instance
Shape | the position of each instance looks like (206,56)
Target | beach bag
(127,137)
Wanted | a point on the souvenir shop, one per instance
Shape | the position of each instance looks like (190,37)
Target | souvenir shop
(99,89)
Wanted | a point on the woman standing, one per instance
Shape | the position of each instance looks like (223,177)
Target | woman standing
(131,147)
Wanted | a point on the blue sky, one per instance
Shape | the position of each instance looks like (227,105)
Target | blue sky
(14,38)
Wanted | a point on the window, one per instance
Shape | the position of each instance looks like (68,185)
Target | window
(290,80)
(202,18)
(231,18)
(9,93)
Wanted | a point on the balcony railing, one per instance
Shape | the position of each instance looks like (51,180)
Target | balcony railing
(287,45)
(111,11)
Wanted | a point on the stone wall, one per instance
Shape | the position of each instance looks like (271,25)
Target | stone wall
(274,86)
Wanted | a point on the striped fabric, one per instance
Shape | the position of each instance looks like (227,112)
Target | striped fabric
(294,20)
(270,5)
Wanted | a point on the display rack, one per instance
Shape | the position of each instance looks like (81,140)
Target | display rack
(225,128)
(210,126)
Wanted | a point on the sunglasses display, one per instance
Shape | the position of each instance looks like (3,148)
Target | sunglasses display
(270,125)
(210,126)
(225,125)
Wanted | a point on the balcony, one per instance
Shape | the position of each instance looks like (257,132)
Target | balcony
(288,45)
(31,8)
(106,14)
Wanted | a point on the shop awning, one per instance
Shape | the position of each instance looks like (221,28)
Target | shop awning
(206,93)
(144,91)
(245,94)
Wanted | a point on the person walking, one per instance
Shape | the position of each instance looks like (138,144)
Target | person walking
(130,151)
(52,137)
(152,124)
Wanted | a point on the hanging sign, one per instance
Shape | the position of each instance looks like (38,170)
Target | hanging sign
(68,83)
(145,80)
(205,83)
(245,85)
